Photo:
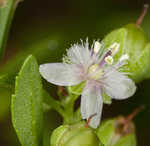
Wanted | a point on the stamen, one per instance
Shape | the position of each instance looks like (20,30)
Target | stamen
(114,48)
(108,53)
(89,119)
(109,60)
(66,59)
(124,57)
(97,47)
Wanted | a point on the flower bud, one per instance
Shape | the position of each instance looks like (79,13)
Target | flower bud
(74,135)
(117,132)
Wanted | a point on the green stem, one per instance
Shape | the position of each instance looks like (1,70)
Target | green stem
(54,104)
(70,116)
(64,107)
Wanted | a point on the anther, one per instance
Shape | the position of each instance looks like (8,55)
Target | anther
(114,48)
(109,60)
(124,57)
(97,47)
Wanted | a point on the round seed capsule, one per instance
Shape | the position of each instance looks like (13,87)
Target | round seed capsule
(74,135)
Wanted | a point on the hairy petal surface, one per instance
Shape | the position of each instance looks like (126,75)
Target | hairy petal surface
(79,54)
(91,104)
(61,74)
(117,85)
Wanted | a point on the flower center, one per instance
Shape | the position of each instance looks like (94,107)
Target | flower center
(95,72)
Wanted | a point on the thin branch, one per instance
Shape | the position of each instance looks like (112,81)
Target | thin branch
(140,19)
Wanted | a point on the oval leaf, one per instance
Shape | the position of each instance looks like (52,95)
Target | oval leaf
(26,106)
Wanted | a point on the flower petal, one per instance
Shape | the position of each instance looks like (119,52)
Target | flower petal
(79,54)
(117,85)
(61,74)
(91,104)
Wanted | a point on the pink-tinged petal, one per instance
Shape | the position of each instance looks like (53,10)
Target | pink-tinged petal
(91,104)
(117,85)
(80,54)
(61,74)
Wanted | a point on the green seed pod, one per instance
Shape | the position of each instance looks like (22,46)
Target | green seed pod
(117,132)
(74,135)
(133,41)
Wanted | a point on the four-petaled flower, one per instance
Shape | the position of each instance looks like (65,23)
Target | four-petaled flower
(101,73)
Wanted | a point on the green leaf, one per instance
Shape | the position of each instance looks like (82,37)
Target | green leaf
(133,41)
(26,104)
(7,9)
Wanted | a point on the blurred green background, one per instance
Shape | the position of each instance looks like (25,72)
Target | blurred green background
(45,29)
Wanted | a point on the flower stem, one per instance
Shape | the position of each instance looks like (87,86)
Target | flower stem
(71,115)
(140,19)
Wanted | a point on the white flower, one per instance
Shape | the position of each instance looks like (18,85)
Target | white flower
(98,69)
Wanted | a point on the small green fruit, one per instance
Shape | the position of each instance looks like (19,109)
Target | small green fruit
(116,132)
(133,42)
(74,135)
